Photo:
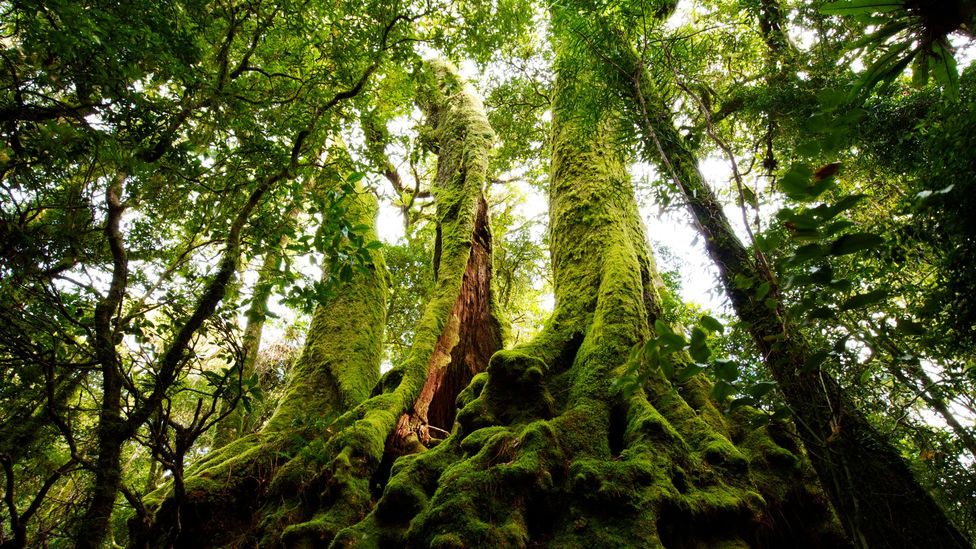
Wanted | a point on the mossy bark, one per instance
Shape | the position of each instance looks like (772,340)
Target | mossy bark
(311,470)
(878,499)
(249,486)
(545,452)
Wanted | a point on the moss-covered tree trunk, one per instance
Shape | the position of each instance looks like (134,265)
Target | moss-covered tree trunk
(312,470)
(879,501)
(544,451)
(228,494)
(235,423)
(539,449)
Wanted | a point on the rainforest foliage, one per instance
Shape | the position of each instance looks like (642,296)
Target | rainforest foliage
(204,340)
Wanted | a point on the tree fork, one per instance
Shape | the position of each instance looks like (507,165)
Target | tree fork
(241,494)
(544,447)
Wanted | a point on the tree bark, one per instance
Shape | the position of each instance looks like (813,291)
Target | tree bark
(545,451)
(110,433)
(879,501)
(331,436)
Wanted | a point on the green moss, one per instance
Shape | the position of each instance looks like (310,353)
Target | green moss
(464,140)
(545,452)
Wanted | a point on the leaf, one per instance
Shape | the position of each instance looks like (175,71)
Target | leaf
(920,71)
(699,347)
(760,389)
(672,342)
(910,327)
(807,252)
(879,36)
(795,182)
(727,370)
(661,328)
(763,290)
(626,385)
(854,7)
(689,372)
(944,69)
(814,361)
(822,274)
(887,66)
(743,282)
(843,204)
(722,390)
(741,402)
(711,324)
(782,413)
(750,197)
(667,368)
(863,300)
(855,242)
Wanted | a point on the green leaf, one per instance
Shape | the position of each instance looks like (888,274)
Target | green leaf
(855,242)
(879,36)
(782,413)
(920,71)
(886,67)
(722,390)
(626,385)
(814,361)
(760,389)
(689,372)
(726,370)
(763,290)
(699,347)
(855,7)
(807,252)
(944,69)
(740,402)
(843,204)
(661,328)
(796,181)
(863,300)
(667,368)
(910,327)
(743,282)
(822,274)
(672,342)
(711,324)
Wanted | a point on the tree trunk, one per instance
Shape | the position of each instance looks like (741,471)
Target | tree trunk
(879,501)
(545,452)
(110,432)
(234,424)
(310,471)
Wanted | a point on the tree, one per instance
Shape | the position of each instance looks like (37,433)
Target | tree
(143,189)
(543,443)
